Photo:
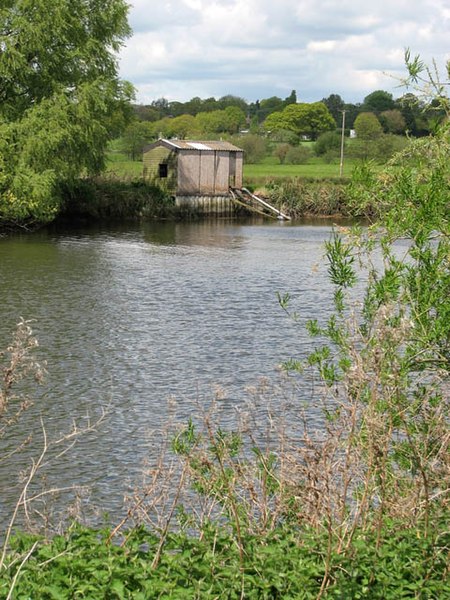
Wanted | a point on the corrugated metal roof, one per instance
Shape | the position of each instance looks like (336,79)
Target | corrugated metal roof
(201,145)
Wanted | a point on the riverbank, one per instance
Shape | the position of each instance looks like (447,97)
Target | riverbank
(285,563)
(114,199)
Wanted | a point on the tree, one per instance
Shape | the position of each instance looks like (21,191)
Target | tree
(181,127)
(291,99)
(367,126)
(330,140)
(268,106)
(392,121)
(351,112)
(135,137)
(303,119)
(335,105)
(254,147)
(281,151)
(145,113)
(378,102)
(59,90)
(229,100)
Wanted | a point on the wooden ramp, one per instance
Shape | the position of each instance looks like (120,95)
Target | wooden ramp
(243,197)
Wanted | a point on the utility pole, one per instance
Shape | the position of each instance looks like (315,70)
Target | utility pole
(341,166)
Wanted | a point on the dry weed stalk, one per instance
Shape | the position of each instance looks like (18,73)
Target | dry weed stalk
(378,453)
(19,367)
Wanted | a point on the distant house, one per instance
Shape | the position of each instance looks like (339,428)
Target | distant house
(190,168)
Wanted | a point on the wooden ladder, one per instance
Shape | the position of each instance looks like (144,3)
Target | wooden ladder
(245,198)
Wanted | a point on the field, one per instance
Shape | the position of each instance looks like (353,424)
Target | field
(119,165)
(271,168)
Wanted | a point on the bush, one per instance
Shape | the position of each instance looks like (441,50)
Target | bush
(329,141)
(114,199)
(380,149)
(254,147)
(298,155)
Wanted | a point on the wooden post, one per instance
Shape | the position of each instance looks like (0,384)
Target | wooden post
(341,166)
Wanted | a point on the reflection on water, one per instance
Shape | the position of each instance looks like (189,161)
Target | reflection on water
(131,316)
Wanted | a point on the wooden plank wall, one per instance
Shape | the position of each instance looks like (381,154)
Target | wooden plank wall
(152,159)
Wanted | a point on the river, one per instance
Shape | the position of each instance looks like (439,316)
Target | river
(148,321)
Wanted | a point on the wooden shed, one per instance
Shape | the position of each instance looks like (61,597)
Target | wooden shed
(193,168)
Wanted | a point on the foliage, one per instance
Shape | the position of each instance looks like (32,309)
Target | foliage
(329,140)
(298,197)
(367,126)
(353,506)
(60,99)
(135,137)
(379,150)
(298,155)
(335,105)
(378,101)
(392,121)
(111,199)
(254,147)
(83,564)
(281,151)
(303,119)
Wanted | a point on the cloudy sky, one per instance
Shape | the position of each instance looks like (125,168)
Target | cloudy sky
(261,48)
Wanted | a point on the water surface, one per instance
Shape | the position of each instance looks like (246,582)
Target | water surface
(129,317)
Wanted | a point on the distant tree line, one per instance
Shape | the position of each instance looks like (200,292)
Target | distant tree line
(377,121)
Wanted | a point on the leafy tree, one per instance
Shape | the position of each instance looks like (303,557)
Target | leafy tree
(145,113)
(233,101)
(229,120)
(411,109)
(254,147)
(367,126)
(268,106)
(291,99)
(335,105)
(162,106)
(135,137)
(59,90)
(378,102)
(303,119)
(392,121)
(181,127)
(276,121)
(235,119)
(308,119)
(351,112)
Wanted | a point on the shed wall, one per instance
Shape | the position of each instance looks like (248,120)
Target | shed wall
(189,173)
(221,171)
(207,172)
(152,159)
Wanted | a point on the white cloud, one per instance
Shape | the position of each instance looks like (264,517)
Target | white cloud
(261,48)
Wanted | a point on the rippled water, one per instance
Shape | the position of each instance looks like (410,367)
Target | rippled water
(128,317)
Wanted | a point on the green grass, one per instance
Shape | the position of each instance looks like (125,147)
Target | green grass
(271,168)
(119,165)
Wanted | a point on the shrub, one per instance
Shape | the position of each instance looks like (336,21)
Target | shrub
(328,141)
(298,155)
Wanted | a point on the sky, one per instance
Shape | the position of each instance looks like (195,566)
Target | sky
(256,49)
